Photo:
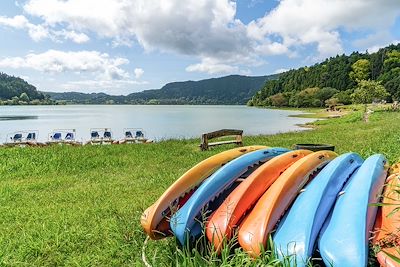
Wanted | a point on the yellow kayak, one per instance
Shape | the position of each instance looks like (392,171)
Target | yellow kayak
(154,219)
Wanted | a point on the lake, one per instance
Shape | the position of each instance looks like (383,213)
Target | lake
(158,122)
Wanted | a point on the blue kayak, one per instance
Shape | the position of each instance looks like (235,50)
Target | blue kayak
(298,231)
(344,237)
(186,221)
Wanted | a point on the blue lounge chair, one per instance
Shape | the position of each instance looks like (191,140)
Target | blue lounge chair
(17,137)
(107,134)
(31,136)
(56,136)
(69,136)
(128,134)
(94,135)
(139,134)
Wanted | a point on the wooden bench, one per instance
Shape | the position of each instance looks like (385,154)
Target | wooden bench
(205,138)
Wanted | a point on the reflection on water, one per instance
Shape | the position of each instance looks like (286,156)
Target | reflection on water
(17,118)
(158,122)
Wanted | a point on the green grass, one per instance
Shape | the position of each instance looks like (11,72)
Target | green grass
(80,206)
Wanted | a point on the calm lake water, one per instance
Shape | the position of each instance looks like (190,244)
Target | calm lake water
(158,122)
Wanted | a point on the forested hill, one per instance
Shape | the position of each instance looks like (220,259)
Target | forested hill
(14,90)
(234,89)
(332,79)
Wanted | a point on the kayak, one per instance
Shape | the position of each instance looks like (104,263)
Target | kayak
(154,219)
(345,235)
(186,222)
(298,231)
(253,232)
(387,224)
(226,218)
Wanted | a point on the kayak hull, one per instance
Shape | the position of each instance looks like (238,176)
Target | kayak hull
(352,218)
(297,232)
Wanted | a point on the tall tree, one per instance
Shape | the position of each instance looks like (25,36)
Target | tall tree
(24,97)
(368,91)
(361,70)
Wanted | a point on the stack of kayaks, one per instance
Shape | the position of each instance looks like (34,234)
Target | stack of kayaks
(155,218)
(228,216)
(307,202)
(185,223)
(254,231)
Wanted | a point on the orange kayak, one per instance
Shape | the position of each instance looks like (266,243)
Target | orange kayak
(154,219)
(225,219)
(387,225)
(253,233)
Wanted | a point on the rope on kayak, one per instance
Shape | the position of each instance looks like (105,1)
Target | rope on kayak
(144,259)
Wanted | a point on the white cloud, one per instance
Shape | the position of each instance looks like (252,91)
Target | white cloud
(78,38)
(41,31)
(138,73)
(204,29)
(196,27)
(18,22)
(212,67)
(373,42)
(375,48)
(280,71)
(304,22)
(36,32)
(54,61)
(209,29)
(270,49)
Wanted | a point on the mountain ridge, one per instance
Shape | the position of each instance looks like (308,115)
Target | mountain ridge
(231,89)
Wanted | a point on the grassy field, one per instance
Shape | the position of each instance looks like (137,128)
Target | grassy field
(80,206)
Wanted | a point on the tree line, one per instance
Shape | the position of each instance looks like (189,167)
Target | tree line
(357,78)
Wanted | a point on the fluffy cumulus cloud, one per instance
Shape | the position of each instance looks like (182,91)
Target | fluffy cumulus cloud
(200,28)
(41,31)
(209,29)
(54,61)
(212,66)
(304,22)
(36,32)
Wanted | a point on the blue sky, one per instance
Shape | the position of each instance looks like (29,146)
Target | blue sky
(122,46)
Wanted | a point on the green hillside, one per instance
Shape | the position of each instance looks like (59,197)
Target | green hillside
(233,89)
(14,91)
(333,78)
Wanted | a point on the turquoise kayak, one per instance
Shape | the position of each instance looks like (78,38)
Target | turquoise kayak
(298,230)
(186,222)
(344,237)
